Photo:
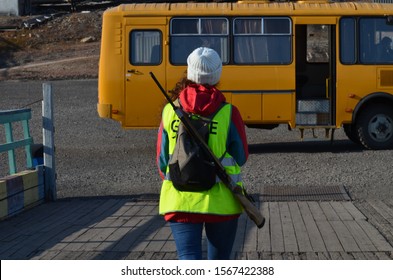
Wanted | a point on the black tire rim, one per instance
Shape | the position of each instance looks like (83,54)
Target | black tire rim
(380,128)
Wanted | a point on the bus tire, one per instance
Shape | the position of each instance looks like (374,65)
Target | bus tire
(351,133)
(375,127)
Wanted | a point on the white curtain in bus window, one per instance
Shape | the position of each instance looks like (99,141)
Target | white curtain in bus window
(376,36)
(145,47)
(188,34)
(262,40)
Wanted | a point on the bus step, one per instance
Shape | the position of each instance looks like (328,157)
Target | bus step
(329,132)
(313,106)
(313,112)
(312,118)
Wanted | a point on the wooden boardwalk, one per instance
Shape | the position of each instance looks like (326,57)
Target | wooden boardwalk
(125,228)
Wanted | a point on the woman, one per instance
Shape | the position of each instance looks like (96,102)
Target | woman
(215,209)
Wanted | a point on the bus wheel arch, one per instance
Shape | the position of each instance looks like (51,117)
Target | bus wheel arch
(373,121)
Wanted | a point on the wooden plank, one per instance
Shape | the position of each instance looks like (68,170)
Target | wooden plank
(314,234)
(361,238)
(123,210)
(250,236)
(341,211)
(253,255)
(385,211)
(49,255)
(303,240)
(240,234)
(370,256)
(40,240)
(240,256)
(67,255)
(359,256)
(157,242)
(376,238)
(9,116)
(264,243)
(170,256)
(11,153)
(100,210)
(169,245)
(353,211)
(383,256)
(266,256)
(276,237)
(139,237)
(48,143)
(311,256)
(290,243)
(323,255)
(277,256)
(71,235)
(347,256)
(152,221)
(345,237)
(330,238)
(139,256)
(294,256)
(132,210)
(316,211)
(329,212)
(335,256)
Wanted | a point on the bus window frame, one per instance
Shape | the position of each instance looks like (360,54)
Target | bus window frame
(130,42)
(262,34)
(262,18)
(225,35)
(359,40)
(356,58)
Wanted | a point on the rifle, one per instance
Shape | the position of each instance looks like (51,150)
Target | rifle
(252,212)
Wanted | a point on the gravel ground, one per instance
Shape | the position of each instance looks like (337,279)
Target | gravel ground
(96,157)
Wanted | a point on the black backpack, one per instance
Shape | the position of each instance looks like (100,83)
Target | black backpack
(190,168)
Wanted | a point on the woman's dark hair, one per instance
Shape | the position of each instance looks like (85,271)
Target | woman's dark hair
(180,85)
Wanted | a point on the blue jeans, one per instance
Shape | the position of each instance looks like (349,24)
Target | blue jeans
(220,239)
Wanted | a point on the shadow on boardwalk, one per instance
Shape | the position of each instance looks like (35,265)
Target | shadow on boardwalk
(130,228)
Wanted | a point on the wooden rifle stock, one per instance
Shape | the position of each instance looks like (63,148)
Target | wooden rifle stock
(252,211)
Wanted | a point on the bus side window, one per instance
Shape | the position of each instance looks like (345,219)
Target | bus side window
(348,40)
(262,40)
(375,41)
(155,57)
(145,47)
(187,34)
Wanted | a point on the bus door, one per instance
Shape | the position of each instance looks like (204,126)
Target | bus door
(315,72)
(145,53)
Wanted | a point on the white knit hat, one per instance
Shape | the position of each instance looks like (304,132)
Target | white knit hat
(204,66)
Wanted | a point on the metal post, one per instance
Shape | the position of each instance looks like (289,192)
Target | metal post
(48,143)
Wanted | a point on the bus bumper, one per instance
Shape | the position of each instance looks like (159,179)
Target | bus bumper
(104,110)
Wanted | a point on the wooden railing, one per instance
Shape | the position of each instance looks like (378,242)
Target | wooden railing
(33,184)
(8,118)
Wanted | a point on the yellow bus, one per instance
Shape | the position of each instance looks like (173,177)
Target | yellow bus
(308,64)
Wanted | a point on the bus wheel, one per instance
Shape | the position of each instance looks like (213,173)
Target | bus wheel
(375,127)
(350,131)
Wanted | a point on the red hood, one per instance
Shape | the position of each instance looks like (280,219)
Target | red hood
(201,100)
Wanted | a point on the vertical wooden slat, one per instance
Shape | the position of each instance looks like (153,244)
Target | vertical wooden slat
(48,142)
(11,153)
(26,134)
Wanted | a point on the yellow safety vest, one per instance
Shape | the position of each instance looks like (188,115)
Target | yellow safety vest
(219,199)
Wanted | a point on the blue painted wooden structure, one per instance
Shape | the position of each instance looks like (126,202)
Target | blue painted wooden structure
(7,118)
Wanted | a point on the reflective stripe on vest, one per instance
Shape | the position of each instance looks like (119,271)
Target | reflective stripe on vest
(219,199)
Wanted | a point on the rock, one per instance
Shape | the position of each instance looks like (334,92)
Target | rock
(88,39)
